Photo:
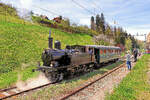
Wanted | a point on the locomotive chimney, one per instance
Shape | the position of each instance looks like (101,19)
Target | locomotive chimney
(50,40)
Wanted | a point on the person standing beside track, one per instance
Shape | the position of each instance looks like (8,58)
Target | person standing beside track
(135,53)
(128,60)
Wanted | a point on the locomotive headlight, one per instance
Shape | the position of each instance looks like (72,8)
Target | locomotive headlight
(51,65)
(54,64)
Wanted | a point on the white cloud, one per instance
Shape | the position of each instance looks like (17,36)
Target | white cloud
(27,4)
(85,21)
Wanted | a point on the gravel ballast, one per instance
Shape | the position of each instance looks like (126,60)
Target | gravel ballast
(98,90)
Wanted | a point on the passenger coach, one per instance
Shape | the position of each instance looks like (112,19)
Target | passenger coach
(98,53)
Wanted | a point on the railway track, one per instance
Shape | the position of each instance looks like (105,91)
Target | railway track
(14,91)
(92,82)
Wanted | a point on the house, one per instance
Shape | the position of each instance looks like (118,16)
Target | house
(57,19)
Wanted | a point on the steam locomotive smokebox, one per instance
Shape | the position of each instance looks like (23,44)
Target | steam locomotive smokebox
(57,45)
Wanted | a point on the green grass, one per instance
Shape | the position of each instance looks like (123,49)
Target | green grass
(67,85)
(7,79)
(7,10)
(21,45)
(135,86)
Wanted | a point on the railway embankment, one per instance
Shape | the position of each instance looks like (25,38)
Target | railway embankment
(56,91)
(136,85)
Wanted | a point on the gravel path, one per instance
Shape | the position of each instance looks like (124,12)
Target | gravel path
(98,90)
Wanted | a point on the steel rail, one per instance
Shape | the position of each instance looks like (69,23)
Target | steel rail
(101,77)
(2,90)
(14,94)
(74,92)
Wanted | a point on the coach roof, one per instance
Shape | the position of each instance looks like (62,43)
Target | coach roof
(103,47)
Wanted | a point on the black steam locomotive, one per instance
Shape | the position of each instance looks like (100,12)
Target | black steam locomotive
(59,63)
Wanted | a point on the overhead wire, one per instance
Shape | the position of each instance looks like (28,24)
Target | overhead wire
(81,6)
(46,10)
(56,14)
(97,7)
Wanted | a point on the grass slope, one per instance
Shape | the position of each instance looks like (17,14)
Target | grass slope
(21,45)
(135,86)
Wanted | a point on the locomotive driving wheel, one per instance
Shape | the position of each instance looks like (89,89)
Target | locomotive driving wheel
(52,76)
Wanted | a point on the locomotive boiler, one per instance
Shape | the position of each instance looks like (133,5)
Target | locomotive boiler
(59,63)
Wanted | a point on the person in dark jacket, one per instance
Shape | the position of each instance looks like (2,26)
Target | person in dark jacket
(135,53)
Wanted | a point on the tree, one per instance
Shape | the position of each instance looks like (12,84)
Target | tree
(128,44)
(119,36)
(92,23)
(31,13)
(74,24)
(114,32)
(66,22)
(97,23)
(102,23)
(108,30)
(60,17)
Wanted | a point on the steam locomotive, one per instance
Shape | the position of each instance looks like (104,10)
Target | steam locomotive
(59,63)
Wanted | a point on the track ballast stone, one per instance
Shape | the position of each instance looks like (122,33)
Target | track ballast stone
(98,90)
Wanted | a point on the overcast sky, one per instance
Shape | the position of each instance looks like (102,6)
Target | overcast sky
(132,15)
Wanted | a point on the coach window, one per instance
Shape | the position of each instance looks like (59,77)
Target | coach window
(83,49)
(104,52)
(101,52)
(109,51)
(114,51)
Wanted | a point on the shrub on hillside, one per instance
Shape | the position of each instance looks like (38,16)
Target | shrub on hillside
(64,26)
(8,10)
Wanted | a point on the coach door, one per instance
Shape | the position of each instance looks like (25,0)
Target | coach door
(97,55)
